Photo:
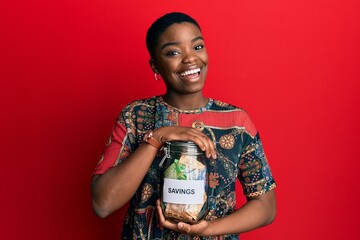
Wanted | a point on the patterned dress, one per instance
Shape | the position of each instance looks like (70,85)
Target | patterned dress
(239,155)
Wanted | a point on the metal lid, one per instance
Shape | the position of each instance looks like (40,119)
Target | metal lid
(184,146)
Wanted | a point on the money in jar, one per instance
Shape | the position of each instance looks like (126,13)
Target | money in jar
(184,184)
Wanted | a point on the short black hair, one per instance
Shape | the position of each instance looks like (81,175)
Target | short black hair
(161,24)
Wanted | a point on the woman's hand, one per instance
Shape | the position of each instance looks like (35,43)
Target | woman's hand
(197,229)
(257,212)
(166,134)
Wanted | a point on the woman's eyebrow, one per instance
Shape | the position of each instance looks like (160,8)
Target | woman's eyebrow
(178,43)
(170,44)
(197,38)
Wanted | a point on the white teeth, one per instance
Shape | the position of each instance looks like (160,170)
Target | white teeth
(188,72)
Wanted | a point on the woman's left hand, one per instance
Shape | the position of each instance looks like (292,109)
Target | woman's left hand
(197,229)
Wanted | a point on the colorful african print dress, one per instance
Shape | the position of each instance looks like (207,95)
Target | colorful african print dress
(239,155)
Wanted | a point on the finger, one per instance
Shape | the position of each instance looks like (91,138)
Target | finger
(198,136)
(179,133)
(192,134)
(162,220)
(184,227)
(157,216)
(205,143)
(160,215)
(208,146)
(200,227)
(196,229)
(212,149)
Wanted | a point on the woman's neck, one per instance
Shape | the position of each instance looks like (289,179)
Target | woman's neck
(186,101)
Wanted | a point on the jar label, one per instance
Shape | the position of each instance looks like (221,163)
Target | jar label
(183,191)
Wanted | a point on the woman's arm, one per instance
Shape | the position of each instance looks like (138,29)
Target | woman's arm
(257,212)
(114,188)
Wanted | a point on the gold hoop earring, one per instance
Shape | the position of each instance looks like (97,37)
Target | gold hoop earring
(157,76)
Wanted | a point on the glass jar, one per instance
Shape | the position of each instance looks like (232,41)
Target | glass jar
(184,197)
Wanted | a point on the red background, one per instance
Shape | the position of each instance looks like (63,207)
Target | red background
(68,67)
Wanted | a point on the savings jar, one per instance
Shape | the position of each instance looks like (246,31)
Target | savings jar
(184,184)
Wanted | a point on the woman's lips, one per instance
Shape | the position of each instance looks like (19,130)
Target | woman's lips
(191,74)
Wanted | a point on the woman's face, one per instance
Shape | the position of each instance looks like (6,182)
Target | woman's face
(181,58)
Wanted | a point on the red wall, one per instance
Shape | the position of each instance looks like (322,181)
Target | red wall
(68,67)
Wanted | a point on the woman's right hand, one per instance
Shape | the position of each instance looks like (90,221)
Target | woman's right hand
(170,133)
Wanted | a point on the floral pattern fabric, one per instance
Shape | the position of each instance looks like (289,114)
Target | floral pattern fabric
(240,155)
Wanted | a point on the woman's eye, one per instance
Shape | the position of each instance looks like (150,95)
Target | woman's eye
(199,47)
(172,53)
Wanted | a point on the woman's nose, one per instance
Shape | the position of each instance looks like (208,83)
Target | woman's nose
(189,57)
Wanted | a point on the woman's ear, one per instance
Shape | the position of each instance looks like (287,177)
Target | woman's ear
(153,66)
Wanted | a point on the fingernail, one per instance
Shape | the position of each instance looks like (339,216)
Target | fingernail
(180,225)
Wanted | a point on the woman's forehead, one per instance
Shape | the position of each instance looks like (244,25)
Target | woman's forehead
(179,32)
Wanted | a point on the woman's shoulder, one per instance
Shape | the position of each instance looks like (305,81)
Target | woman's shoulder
(138,106)
(224,106)
(141,103)
(233,115)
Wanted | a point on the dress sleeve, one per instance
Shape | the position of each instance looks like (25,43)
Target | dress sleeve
(118,146)
(255,174)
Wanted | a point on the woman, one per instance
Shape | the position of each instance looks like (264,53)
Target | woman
(129,169)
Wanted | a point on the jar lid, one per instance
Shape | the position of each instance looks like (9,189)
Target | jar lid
(182,143)
(184,146)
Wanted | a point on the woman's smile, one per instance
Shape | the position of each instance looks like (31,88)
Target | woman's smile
(191,75)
